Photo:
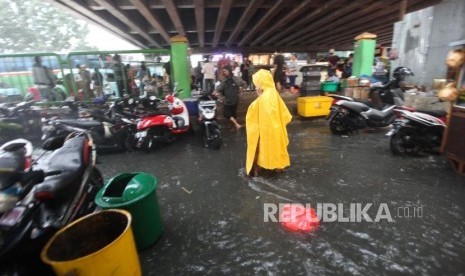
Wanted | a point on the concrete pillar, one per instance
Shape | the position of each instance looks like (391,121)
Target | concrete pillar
(180,66)
(364,54)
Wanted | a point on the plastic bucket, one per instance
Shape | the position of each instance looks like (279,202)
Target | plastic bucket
(98,244)
(135,193)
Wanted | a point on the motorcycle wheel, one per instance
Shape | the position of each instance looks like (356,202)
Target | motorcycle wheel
(337,126)
(129,142)
(215,140)
(402,142)
(96,183)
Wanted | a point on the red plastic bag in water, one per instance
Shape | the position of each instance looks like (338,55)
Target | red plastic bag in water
(296,217)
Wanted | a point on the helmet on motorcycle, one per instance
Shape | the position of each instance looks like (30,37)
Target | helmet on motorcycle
(401,72)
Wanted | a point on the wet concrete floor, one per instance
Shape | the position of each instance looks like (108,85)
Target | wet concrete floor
(214,215)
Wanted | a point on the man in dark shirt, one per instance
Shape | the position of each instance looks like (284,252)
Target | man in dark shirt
(230,88)
(332,59)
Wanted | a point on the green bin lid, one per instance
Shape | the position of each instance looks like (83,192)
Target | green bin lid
(126,189)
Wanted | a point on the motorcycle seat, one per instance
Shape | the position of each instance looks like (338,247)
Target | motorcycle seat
(357,106)
(435,113)
(85,124)
(69,160)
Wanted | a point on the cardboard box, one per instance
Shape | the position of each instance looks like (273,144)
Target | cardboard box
(351,82)
(349,92)
(314,106)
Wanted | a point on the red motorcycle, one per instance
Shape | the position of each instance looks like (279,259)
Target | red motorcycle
(163,127)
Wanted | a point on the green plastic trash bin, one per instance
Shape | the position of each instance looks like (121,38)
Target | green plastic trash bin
(136,193)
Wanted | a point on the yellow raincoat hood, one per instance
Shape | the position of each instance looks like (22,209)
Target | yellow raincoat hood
(266,122)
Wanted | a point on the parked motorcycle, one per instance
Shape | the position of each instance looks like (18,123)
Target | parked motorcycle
(108,135)
(349,115)
(19,121)
(40,202)
(163,127)
(211,133)
(416,132)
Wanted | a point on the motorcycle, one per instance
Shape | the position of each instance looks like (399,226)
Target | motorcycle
(108,135)
(40,202)
(163,127)
(349,115)
(19,121)
(211,133)
(416,132)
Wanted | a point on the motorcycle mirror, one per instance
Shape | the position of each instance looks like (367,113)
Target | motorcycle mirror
(53,143)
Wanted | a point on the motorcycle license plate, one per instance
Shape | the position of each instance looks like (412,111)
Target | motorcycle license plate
(141,134)
(11,217)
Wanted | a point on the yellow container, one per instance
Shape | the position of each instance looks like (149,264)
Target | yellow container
(98,244)
(313,106)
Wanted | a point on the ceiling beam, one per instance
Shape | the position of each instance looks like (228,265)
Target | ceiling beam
(379,31)
(174,16)
(200,21)
(301,27)
(117,13)
(265,19)
(221,21)
(303,7)
(147,14)
(82,12)
(349,23)
(245,18)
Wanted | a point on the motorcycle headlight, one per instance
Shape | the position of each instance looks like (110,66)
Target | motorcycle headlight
(209,115)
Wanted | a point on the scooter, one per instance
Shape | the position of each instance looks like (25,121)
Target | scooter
(163,127)
(19,121)
(347,116)
(109,135)
(211,130)
(40,202)
(416,132)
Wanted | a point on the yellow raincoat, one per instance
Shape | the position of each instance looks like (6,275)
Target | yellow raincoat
(266,122)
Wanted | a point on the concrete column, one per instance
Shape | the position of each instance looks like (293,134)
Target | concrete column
(180,66)
(364,54)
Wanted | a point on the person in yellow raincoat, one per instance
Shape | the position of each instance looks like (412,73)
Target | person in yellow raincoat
(266,122)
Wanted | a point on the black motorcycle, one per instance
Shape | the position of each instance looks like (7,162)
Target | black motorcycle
(109,134)
(211,130)
(348,115)
(40,202)
(19,121)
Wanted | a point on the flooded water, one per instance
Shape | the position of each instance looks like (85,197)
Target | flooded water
(214,215)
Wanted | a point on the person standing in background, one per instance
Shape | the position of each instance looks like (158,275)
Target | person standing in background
(143,75)
(292,72)
(245,71)
(97,82)
(251,72)
(278,72)
(198,75)
(332,59)
(223,62)
(86,81)
(43,80)
(119,74)
(208,71)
